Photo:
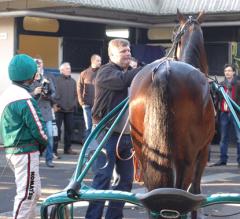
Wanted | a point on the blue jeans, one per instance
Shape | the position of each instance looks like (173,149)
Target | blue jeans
(226,119)
(49,149)
(102,177)
(87,115)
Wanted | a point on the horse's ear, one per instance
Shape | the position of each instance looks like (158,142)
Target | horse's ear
(200,17)
(181,17)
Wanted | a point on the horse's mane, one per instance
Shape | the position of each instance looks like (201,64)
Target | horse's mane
(191,52)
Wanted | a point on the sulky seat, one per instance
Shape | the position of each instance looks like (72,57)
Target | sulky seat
(170,201)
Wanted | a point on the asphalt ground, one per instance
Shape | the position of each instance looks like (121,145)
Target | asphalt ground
(215,180)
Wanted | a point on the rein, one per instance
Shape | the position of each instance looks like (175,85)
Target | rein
(233,107)
(136,165)
(118,143)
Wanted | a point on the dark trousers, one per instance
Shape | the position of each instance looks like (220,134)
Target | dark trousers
(67,119)
(102,177)
(226,119)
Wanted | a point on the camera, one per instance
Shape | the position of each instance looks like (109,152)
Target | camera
(38,62)
(45,87)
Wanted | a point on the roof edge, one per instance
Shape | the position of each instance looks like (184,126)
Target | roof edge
(33,13)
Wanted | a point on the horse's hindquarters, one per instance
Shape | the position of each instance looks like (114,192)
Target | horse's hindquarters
(172,122)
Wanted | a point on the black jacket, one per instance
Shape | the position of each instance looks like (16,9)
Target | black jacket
(46,101)
(111,87)
(66,93)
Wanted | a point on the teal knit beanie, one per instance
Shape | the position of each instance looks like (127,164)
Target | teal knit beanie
(21,68)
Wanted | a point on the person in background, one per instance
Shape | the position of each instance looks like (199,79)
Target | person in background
(65,99)
(85,91)
(24,133)
(43,91)
(231,86)
(111,87)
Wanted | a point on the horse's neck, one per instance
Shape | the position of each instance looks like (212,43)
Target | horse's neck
(194,54)
(200,62)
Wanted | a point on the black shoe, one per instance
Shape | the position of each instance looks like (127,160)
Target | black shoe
(49,164)
(219,163)
(70,151)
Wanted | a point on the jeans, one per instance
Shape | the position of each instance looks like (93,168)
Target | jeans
(95,143)
(87,115)
(67,119)
(226,119)
(49,149)
(102,177)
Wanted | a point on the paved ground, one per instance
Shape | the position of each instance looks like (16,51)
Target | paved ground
(53,180)
(216,179)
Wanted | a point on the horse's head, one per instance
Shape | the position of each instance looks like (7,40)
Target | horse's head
(189,42)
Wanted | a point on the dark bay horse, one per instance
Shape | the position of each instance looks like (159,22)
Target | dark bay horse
(172,115)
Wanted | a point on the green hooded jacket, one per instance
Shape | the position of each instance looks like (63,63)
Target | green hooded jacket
(22,127)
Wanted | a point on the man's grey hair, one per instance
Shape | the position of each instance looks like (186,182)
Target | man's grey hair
(117,43)
(63,65)
(94,56)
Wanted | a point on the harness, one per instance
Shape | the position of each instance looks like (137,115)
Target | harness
(176,40)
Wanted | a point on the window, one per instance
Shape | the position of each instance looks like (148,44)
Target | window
(120,33)
(40,24)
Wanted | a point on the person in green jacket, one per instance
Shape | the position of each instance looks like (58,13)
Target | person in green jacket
(23,132)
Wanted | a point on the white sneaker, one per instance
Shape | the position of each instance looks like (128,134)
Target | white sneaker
(56,156)
(49,164)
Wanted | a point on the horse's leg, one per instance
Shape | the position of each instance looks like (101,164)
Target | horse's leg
(199,168)
(200,165)
(184,177)
(184,165)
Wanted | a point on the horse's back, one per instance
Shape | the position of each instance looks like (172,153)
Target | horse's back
(180,77)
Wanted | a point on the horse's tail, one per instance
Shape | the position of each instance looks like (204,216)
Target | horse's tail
(156,146)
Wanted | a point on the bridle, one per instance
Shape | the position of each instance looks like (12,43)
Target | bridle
(179,33)
(176,39)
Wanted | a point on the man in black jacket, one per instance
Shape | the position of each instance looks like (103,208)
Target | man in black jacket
(65,99)
(111,87)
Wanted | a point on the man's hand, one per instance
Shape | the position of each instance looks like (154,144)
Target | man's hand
(37,90)
(42,148)
(56,108)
